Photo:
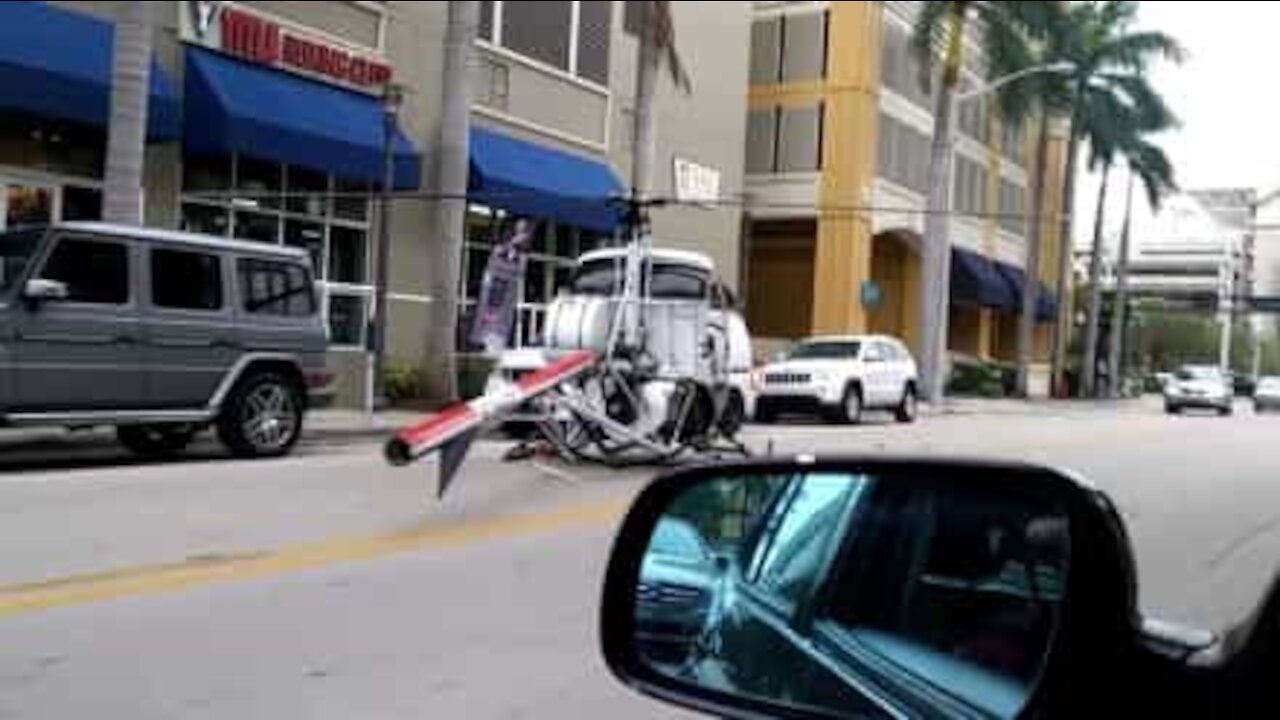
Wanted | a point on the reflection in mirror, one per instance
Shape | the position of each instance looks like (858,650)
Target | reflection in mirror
(844,592)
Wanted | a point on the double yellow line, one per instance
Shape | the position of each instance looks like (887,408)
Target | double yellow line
(148,580)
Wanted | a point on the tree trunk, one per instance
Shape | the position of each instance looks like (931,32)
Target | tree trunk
(127,128)
(441,370)
(935,278)
(1035,241)
(1089,353)
(1119,305)
(1061,329)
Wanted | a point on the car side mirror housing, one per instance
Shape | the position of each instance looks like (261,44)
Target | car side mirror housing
(39,290)
(821,588)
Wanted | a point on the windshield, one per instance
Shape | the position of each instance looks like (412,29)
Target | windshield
(1199,373)
(16,248)
(826,350)
(669,281)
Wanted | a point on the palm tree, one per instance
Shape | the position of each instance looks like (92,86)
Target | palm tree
(1147,163)
(657,39)
(440,373)
(1108,59)
(1005,29)
(127,126)
(1116,125)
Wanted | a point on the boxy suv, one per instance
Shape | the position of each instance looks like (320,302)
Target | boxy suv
(160,334)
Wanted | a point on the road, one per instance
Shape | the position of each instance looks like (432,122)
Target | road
(327,585)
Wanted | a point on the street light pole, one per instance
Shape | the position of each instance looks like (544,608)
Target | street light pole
(392,96)
(936,253)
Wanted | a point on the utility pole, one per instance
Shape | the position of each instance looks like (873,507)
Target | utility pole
(392,97)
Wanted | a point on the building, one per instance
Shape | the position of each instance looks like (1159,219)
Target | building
(1193,252)
(266,123)
(838,141)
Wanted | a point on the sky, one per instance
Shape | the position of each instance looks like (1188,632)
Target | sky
(1230,112)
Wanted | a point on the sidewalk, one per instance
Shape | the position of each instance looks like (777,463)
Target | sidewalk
(332,424)
(1038,406)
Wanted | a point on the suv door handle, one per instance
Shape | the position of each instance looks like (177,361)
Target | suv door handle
(124,339)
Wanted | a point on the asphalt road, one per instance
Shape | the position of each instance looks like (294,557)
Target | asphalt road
(329,585)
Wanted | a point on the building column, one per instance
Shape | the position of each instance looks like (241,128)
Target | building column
(986,334)
(842,253)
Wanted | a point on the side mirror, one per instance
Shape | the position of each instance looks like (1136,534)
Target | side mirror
(866,588)
(39,290)
(779,357)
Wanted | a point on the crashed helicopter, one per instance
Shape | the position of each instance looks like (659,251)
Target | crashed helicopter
(644,360)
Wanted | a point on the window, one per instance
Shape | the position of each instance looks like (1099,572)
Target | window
(270,287)
(95,271)
(970,186)
(569,36)
(899,68)
(791,553)
(16,249)
(800,139)
(874,353)
(826,350)
(329,217)
(972,115)
(967,580)
(789,48)
(1014,143)
(804,46)
(762,133)
(186,280)
(1012,207)
(902,154)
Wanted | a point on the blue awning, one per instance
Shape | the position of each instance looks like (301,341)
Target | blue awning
(57,64)
(1046,303)
(974,279)
(540,182)
(235,106)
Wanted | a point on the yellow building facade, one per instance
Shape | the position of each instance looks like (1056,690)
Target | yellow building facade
(837,161)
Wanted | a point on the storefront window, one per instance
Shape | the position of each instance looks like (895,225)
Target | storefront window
(252,225)
(260,181)
(206,173)
(273,203)
(548,268)
(81,203)
(306,235)
(347,320)
(206,219)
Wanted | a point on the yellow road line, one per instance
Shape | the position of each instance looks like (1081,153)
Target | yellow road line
(148,580)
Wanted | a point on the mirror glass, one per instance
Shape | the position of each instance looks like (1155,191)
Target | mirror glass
(852,593)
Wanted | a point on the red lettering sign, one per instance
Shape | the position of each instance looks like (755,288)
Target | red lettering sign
(253,38)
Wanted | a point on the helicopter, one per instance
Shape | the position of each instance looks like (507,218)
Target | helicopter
(644,362)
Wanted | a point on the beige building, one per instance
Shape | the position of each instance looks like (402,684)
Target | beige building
(267,124)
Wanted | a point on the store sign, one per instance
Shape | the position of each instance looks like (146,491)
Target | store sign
(696,183)
(250,36)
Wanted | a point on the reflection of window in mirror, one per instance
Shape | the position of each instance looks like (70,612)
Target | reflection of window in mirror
(961,588)
(791,553)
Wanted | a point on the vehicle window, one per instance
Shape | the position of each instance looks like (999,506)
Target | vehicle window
(970,582)
(793,549)
(678,539)
(677,282)
(16,249)
(275,288)
(598,277)
(875,353)
(826,350)
(94,271)
(186,280)
(1198,373)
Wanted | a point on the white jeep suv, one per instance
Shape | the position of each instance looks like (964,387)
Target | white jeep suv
(839,377)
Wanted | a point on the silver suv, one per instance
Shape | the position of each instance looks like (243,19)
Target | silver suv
(160,334)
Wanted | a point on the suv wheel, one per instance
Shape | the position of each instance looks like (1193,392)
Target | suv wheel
(262,417)
(850,411)
(155,440)
(906,410)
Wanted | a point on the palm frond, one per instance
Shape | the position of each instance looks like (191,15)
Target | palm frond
(1148,111)
(664,36)
(928,32)
(1153,168)
(1136,50)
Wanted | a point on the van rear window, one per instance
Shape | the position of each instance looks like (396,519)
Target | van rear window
(275,288)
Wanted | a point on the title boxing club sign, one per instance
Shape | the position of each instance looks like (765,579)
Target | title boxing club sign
(253,37)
